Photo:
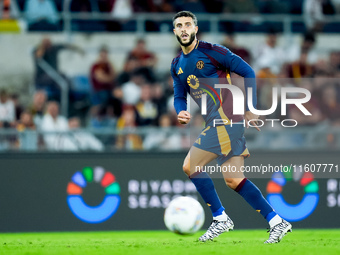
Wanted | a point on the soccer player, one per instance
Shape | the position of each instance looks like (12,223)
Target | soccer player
(225,143)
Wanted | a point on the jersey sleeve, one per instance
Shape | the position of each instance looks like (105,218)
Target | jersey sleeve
(180,93)
(235,64)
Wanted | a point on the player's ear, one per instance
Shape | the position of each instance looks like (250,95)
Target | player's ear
(174,27)
(196,29)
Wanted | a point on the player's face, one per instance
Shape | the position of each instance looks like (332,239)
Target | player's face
(185,30)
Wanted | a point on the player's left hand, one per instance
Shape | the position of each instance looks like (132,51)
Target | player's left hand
(251,118)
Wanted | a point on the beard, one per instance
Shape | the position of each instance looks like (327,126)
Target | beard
(192,38)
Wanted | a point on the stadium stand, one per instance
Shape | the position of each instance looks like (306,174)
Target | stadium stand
(138,92)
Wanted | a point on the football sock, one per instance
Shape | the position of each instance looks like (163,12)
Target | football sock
(222,217)
(254,197)
(275,220)
(206,188)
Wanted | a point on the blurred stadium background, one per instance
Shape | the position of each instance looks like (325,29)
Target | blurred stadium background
(85,76)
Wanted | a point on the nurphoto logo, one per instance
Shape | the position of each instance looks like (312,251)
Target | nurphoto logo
(239,102)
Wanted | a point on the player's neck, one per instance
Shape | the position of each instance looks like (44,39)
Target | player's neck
(186,50)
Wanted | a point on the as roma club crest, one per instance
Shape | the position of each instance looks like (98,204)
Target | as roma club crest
(200,64)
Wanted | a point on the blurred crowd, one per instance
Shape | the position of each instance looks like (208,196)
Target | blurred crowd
(300,66)
(295,66)
(138,96)
(103,100)
(44,15)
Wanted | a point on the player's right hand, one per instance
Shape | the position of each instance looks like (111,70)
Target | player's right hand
(251,118)
(184,117)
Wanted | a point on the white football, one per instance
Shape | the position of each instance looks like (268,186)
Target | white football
(184,215)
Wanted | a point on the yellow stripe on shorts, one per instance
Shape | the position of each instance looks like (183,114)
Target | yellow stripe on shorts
(245,153)
(223,116)
(223,139)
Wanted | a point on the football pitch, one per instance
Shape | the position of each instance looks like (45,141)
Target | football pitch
(164,242)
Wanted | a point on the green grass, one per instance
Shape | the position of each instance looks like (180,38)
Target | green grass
(163,242)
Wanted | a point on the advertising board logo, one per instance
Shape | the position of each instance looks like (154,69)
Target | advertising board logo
(110,203)
(293,212)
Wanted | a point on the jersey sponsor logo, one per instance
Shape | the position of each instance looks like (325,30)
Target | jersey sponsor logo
(193,81)
(180,71)
(200,64)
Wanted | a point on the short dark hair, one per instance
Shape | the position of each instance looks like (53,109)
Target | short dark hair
(184,14)
(309,37)
(3,92)
(271,31)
